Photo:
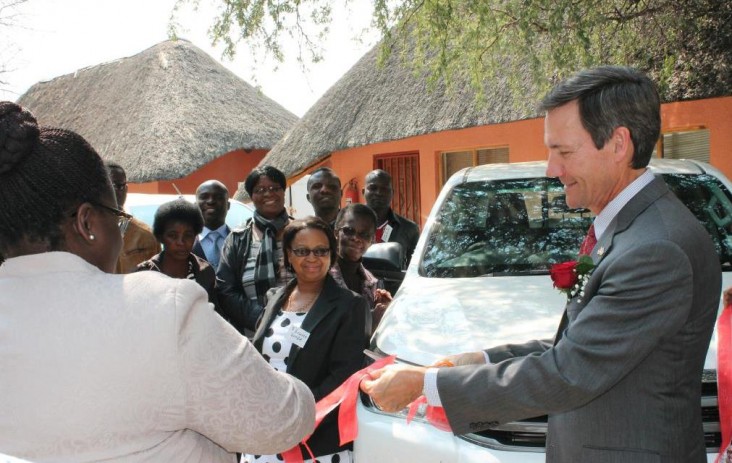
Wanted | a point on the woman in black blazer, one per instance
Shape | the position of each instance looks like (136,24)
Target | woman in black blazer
(314,329)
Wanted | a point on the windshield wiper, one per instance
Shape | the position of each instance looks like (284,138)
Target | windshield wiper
(510,273)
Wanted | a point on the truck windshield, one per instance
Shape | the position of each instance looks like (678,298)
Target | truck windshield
(509,227)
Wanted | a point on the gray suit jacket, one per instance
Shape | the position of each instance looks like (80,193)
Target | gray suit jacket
(622,381)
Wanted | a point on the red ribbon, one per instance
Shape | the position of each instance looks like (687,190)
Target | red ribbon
(434,415)
(724,377)
(345,395)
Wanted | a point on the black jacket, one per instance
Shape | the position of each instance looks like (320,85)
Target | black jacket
(234,304)
(404,232)
(339,324)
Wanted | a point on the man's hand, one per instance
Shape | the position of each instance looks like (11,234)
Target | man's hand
(727,296)
(395,386)
(382,296)
(382,299)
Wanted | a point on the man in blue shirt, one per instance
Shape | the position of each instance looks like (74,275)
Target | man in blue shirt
(212,198)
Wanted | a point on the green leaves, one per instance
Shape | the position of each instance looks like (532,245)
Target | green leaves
(522,44)
(584,265)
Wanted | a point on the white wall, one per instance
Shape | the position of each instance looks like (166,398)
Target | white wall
(295,199)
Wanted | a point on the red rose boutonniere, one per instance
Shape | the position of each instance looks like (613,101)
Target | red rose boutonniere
(570,277)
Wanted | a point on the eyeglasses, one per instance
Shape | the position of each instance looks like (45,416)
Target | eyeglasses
(317,252)
(351,233)
(123,218)
(260,190)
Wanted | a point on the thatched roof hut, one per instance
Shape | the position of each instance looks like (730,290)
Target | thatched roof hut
(162,113)
(373,103)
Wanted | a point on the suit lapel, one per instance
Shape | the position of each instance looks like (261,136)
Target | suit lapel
(198,249)
(326,302)
(639,203)
(270,312)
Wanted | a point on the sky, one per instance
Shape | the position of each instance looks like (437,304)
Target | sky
(51,38)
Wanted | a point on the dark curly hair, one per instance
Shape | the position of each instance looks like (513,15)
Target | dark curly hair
(177,210)
(313,223)
(45,173)
(271,172)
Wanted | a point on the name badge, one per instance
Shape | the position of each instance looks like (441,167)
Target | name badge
(387,233)
(298,336)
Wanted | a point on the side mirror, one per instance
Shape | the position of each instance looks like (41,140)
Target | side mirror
(384,256)
(384,260)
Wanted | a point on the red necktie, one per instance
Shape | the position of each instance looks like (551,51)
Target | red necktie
(589,242)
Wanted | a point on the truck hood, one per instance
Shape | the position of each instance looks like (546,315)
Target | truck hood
(434,317)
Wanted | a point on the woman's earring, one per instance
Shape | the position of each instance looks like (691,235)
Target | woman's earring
(92,237)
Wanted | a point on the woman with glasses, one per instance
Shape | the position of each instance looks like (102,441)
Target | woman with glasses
(98,366)
(314,329)
(252,257)
(176,225)
(355,227)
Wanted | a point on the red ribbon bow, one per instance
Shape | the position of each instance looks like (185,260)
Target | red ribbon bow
(434,415)
(346,396)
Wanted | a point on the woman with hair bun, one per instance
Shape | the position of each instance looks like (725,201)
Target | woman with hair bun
(176,225)
(115,368)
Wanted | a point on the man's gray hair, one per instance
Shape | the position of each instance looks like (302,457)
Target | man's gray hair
(610,97)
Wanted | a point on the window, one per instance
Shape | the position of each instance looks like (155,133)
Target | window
(686,144)
(692,144)
(523,226)
(456,160)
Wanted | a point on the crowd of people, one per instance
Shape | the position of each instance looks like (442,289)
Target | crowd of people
(110,353)
(99,366)
(136,363)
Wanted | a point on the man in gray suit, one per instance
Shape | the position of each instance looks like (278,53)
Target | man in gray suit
(621,380)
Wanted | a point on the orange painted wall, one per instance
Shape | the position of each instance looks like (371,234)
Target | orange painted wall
(356,162)
(230,169)
(525,142)
(714,114)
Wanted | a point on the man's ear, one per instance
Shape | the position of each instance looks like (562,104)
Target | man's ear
(307,196)
(622,145)
(228,204)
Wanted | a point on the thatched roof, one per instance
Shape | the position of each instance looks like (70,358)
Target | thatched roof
(162,113)
(373,103)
